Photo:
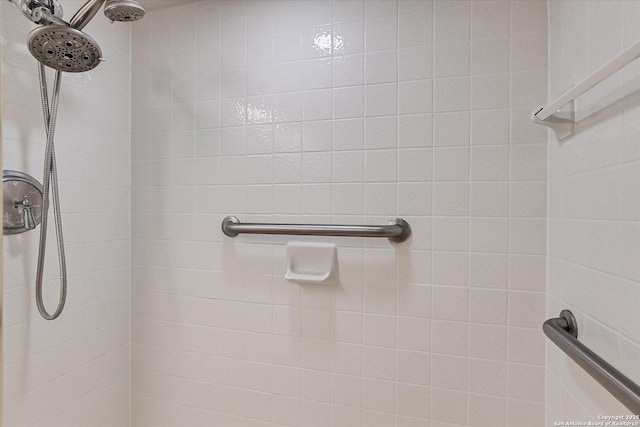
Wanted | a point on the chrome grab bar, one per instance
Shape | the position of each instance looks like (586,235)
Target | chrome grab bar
(396,230)
(563,331)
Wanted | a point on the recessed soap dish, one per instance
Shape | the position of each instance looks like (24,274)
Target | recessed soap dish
(309,262)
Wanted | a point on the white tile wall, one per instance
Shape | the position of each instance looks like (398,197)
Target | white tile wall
(73,371)
(340,111)
(594,245)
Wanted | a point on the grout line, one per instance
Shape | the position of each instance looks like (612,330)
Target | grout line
(397,210)
(509,198)
(469,173)
(433,169)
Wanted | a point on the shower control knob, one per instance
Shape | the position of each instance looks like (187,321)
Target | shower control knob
(22,202)
(28,220)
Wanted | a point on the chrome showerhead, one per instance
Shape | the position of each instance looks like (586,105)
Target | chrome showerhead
(123,10)
(64,48)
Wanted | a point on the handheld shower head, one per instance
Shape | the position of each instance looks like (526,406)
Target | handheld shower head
(123,10)
(64,48)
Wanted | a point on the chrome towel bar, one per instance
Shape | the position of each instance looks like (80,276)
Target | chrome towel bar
(563,331)
(396,230)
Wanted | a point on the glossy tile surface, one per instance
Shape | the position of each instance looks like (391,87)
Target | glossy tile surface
(593,204)
(341,112)
(74,370)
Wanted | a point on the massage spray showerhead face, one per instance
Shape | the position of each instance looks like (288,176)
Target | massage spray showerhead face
(64,48)
(123,10)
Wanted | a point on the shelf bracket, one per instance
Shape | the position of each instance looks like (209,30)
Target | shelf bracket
(561,123)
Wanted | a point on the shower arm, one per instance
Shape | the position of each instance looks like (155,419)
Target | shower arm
(86,13)
(43,16)
(40,13)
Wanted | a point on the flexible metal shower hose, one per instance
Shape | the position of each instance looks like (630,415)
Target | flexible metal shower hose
(50,179)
